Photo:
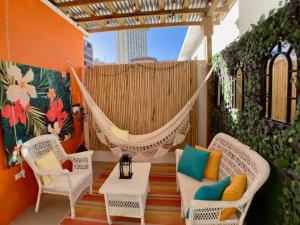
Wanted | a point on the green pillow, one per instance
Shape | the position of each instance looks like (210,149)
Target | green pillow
(212,192)
(193,162)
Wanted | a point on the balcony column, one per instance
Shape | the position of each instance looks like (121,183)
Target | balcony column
(208,32)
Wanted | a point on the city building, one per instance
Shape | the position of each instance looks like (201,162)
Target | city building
(131,44)
(88,53)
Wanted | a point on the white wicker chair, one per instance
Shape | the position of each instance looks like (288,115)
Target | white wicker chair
(66,183)
(237,158)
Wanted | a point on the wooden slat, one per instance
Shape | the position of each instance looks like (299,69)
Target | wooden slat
(142,26)
(139,14)
(81,2)
(110,6)
(142,100)
(88,10)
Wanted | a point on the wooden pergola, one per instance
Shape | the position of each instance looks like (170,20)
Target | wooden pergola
(113,15)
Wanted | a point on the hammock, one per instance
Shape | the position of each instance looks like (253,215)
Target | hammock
(145,146)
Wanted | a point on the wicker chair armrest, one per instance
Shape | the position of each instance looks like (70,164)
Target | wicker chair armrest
(211,210)
(178,154)
(81,161)
(201,204)
(52,173)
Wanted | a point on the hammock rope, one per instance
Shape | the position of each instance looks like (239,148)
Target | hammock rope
(143,146)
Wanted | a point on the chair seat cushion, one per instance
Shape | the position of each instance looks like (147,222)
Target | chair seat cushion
(193,162)
(212,167)
(188,187)
(60,183)
(48,162)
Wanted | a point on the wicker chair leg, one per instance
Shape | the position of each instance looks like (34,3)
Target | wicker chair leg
(182,211)
(91,189)
(37,206)
(72,205)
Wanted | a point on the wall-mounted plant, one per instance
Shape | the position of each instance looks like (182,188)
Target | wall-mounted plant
(276,138)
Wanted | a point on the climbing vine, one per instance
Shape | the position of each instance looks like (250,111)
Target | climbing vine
(279,144)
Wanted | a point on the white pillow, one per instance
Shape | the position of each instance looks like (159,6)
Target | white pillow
(48,162)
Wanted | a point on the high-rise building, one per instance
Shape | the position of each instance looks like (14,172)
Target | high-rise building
(88,53)
(131,44)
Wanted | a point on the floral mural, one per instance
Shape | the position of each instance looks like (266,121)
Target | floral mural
(33,102)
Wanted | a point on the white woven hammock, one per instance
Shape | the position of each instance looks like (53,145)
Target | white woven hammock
(145,146)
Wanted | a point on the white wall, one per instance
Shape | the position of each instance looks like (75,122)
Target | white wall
(227,31)
(251,10)
(238,20)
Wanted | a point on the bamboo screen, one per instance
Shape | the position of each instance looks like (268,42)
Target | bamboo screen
(143,97)
(279,87)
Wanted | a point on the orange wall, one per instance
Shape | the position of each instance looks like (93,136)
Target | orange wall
(38,37)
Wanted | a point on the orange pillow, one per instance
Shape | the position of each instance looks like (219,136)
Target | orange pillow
(211,171)
(233,192)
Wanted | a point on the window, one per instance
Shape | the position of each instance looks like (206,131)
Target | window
(237,89)
(279,85)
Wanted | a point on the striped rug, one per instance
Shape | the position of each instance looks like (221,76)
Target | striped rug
(162,206)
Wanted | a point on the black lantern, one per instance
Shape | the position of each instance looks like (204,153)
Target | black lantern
(125,167)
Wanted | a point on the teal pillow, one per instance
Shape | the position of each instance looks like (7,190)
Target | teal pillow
(211,192)
(193,162)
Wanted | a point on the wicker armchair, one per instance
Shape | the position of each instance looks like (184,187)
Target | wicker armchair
(66,183)
(237,158)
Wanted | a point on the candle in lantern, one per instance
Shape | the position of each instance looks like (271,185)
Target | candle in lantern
(126,170)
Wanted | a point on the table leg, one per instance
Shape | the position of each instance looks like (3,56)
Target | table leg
(141,203)
(109,221)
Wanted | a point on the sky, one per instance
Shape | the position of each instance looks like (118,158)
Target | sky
(163,43)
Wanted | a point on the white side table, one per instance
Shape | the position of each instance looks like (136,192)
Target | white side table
(127,197)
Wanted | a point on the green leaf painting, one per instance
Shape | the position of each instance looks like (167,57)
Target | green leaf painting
(33,101)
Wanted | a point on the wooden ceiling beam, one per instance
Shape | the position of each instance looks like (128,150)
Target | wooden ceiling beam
(137,5)
(143,26)
(186,5)
(212,8)
(139,14)
(161,4)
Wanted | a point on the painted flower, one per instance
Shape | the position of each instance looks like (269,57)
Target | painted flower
(55,129)
(15,114)
(21,91)
(55,112)
(51,94)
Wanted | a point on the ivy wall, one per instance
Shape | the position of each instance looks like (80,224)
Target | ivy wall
(278,202)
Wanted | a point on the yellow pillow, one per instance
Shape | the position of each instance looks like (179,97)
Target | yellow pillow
(211,171)
(122,134)
(48,163)
(233,192)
